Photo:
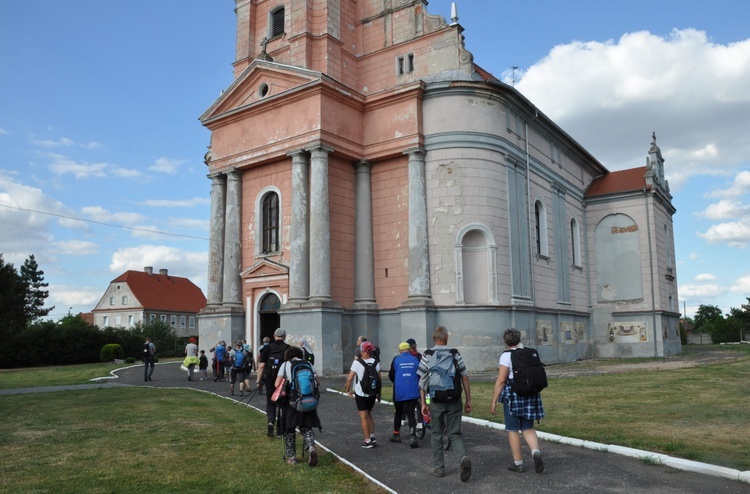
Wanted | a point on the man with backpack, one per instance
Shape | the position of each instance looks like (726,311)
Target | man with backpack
(300,406)
(239,358)
(520,409)
(363,384)
(403,374)
(149,349)
(442,375)
(271,359)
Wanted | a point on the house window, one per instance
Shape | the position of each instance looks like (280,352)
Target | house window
(112,300)
(575,239)
(183,320)
(270,226)
(173,321)
(131,320)
(192,322)
(163,318)
(151,318)
(105,321)
(124,300)
(540,216)
(118,321)
(276,22)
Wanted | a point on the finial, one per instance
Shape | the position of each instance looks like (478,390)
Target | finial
(454,13)
(653,136)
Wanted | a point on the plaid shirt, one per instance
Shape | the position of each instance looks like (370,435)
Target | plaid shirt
(529,407)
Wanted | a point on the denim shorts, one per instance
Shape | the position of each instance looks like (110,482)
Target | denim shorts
(514,423)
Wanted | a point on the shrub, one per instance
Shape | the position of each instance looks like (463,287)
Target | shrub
(110,352)
(130,360)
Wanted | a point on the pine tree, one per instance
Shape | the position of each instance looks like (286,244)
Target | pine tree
(33,280)
(11,302)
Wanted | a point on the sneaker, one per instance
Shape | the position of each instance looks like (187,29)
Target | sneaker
(538,464)
(373,440)
(368,444)
(516,468)
(465,468)
(396,438)
(420,426)
(291,461)
(313,460)
(413,441)
(270,430)
(437,472)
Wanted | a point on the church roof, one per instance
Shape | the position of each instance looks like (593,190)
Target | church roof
(630,180)
(163,292)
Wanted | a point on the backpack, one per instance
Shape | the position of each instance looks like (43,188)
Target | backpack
(147,350)
(308,357)
(303,388)
(239,359)
(275,359)
(444,379)
(529,376)
(370,383)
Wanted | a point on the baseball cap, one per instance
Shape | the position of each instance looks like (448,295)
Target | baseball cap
(403,346)
(411,342)
(279,333)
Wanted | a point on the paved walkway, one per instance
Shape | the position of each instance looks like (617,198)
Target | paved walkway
(569,468)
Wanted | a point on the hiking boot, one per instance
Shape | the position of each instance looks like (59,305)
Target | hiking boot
(368,444)
(396,438)
(437,472)
(413,441)
(270,430)
(465,468)
(313,460)
(538,464)
(516,468)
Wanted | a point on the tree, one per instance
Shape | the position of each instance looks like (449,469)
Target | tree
(742,315)
(707,315)
(11,303)
(33,280)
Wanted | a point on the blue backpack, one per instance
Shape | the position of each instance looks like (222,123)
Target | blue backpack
(304,394)
(239,357)
(444,382)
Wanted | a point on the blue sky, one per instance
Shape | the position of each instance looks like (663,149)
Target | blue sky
(101,151)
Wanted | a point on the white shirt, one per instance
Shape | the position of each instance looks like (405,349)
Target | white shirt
(360,372)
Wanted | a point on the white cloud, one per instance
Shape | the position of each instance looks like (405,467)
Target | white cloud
(4,132)
(701,291)
(125,172)
(98,213)
(166,165)
(64,296)
(734,234)
(76,247)
(178,203)
(610,96)
(61,165)
(52,143)
(693,256)
(741,285)
(740,186)
(725,209)
(705,277)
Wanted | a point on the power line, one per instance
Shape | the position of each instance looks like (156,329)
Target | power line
(112,225)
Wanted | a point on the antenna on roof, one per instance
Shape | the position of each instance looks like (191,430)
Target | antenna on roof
(513,77)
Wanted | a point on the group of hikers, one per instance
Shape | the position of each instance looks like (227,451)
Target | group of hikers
(427,388)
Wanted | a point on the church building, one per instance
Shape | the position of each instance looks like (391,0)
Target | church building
(369,178)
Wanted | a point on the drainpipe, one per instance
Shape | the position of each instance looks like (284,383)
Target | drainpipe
(531,218)
(651,271)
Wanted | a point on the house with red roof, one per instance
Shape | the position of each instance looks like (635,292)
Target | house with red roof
(145,297)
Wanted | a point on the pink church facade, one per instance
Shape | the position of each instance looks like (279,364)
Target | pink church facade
(368,178)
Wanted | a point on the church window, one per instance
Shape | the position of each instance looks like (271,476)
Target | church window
(270,236)
(575,239)
(476,268)
(540,220)
(276,22)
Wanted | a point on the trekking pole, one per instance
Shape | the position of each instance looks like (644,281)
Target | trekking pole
(250,396)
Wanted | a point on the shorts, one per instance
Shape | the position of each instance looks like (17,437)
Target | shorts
(236,372)
(514,423)
(365,403)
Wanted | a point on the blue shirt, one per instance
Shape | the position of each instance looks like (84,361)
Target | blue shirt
(404,375)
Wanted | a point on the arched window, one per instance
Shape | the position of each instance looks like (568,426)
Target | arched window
(575,240)
(276,22)
(476,267)
(270,223)
(540,217)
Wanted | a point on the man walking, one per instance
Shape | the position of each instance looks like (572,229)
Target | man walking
(149,349)
(442,374)
(403,375)
(271,358)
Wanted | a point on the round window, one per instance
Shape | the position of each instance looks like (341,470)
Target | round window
(263,90)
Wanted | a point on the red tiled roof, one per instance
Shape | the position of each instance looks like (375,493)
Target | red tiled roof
(163,292)
(630,180)
(484,74)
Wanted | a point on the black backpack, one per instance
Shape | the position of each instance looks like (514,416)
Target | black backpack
(370,383)
(147,350)
(529,376)
(275,359)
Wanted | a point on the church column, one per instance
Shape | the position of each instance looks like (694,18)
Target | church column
(419,263)
(216,241)
(232,247)
(364,270)
(299,264)
(320,231)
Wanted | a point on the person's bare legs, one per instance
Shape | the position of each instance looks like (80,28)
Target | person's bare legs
(365,419)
